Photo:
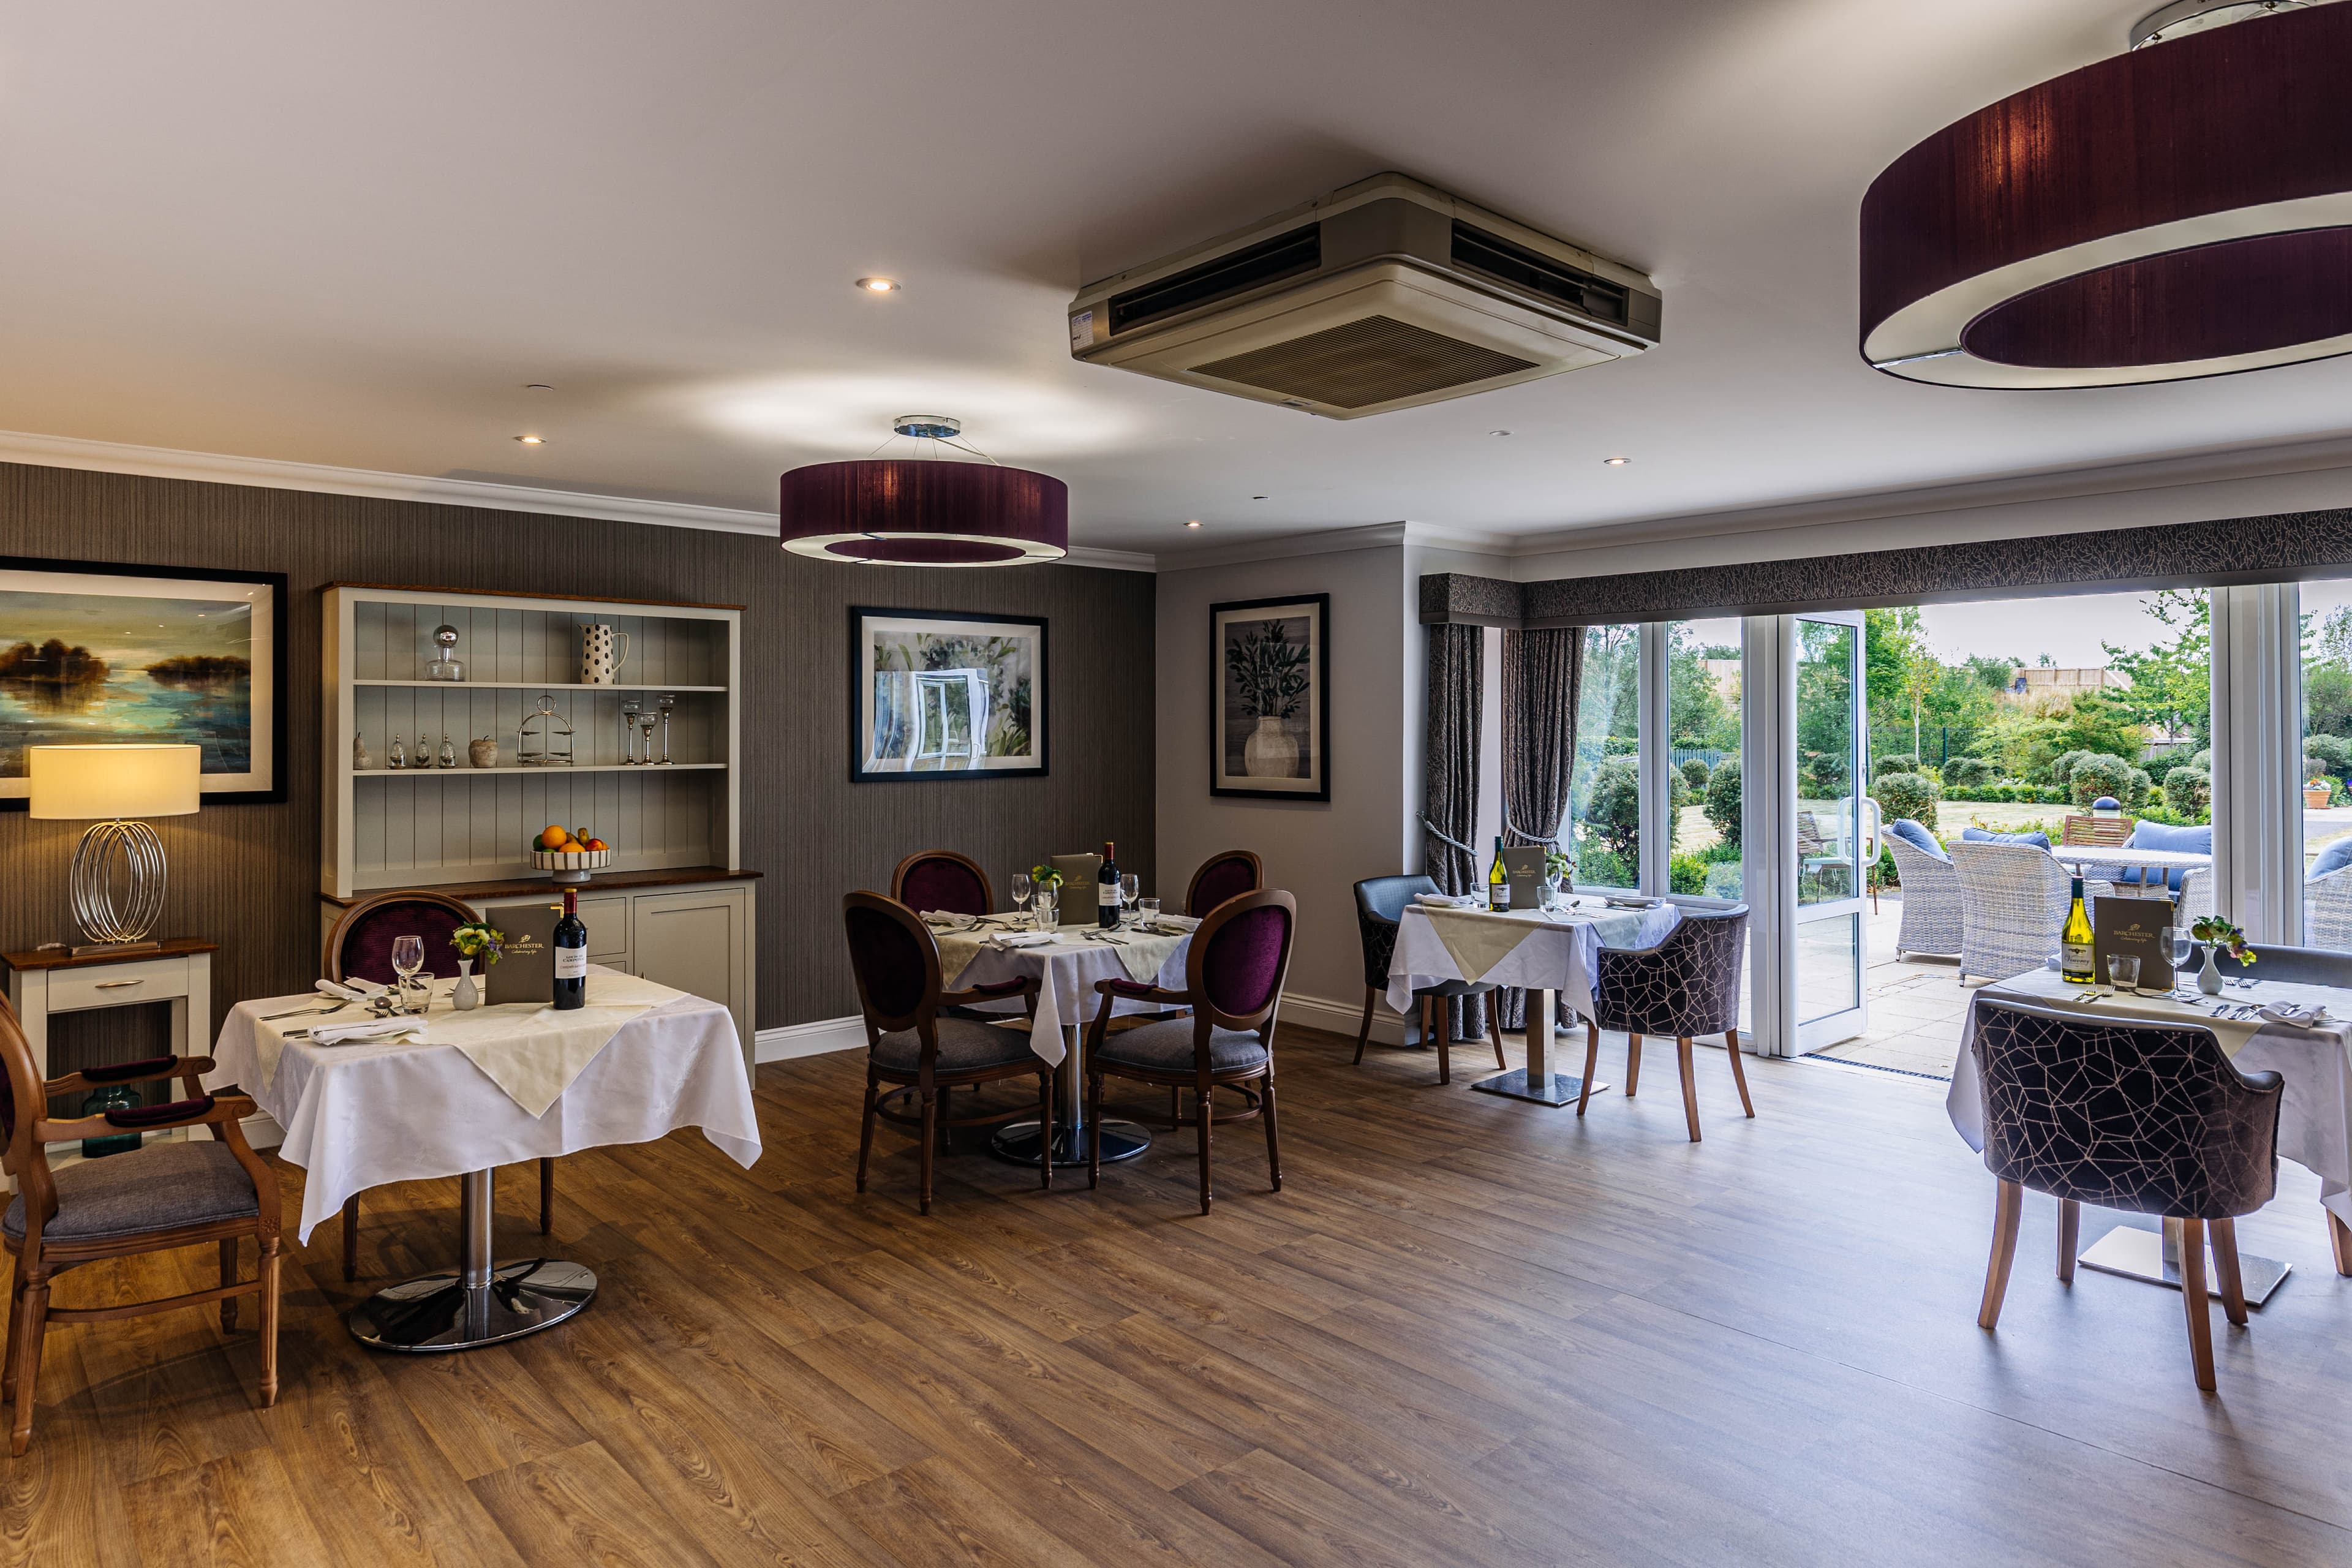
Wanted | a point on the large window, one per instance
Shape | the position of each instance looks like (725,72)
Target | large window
(1604,794)
(2326,763)
(1703,732)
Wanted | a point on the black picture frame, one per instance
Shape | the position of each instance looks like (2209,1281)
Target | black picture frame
(263,783)
(863,630)
(1230,733)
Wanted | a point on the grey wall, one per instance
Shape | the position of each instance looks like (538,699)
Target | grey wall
(246,876)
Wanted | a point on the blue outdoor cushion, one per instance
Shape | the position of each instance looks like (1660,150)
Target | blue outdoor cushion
(1916,835)
(2334,858)
(2159,835)
(1981,836)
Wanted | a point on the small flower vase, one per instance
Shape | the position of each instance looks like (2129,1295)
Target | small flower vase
(2209,979)
(467,995)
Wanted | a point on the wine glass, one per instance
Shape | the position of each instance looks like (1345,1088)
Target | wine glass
(1130,887)
(2178,946)
(407,958)
(1021,892)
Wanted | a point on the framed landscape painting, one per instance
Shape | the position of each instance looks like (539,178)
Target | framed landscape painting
(937,694)
(92,654)
(1270,697)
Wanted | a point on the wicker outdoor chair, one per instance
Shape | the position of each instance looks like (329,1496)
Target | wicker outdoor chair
(2013,899)
(2326,907)
(1931,900)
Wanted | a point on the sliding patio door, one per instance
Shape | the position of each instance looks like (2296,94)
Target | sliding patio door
(1833,831)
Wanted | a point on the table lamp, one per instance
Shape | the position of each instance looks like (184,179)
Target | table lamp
(118,872)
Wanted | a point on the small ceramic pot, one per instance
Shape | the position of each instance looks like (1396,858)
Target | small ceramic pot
(360,761)
(482,754)
(467,995)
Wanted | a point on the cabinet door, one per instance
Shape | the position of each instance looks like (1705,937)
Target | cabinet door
(699,942)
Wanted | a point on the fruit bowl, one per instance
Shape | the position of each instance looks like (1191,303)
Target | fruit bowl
(572,867)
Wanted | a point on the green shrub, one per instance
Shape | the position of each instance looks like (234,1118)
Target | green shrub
(1900,763)
(2203,762)
(2334,750)
(2062,767)
(1889,874)
(2141,786)
(1686,874)
(1967,773)
(1611,819)
(2314,767)
(1695,773)
(1907,794)
(1722,801)
(2096,775)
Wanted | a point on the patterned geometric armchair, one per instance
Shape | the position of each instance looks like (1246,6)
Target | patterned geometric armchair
(1379,904)
(1688,985)
(2146,1117)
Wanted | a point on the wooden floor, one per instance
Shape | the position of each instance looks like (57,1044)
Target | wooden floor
(1470,1330)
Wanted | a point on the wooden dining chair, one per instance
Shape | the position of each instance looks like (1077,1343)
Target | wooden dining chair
(2148,1118)
(1233,975)
(2095,832)
(930,880)
(1227,874)
(150,1199)
(361,945)
(916,1051)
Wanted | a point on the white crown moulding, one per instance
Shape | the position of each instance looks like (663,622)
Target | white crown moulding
(271,473)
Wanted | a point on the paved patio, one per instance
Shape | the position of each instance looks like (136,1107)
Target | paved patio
(1916,1005)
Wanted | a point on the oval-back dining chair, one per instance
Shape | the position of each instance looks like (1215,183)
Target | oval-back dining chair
(1225,875)
(360,948)
(931,880)
(1233,975)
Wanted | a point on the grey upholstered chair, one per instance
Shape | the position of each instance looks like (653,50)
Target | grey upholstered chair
(1379,905)
(2148,1118)
(1687,986)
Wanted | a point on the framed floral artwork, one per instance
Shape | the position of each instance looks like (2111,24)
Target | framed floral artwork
(1270,697)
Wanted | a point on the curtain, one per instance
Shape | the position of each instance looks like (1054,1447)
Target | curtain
(1457,676)
(1542,674)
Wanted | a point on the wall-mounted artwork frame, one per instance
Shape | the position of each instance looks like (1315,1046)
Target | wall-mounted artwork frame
(1270,697)
(944,694)
(93,652)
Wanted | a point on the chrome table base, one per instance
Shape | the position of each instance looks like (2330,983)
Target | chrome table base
(479,1304)
(1537,1082)
(2145,1255)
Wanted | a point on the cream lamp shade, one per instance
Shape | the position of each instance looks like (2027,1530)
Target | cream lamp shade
(111,782)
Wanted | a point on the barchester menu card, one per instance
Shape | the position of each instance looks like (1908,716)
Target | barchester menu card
(2134,927)
(525,971)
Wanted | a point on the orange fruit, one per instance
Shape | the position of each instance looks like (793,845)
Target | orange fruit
(552,836)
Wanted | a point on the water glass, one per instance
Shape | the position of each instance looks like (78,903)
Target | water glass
(1130,886)
(2123,972)
(1147,913)
(407,958)
(1049,912)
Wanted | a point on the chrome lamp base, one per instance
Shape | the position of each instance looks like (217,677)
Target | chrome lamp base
(117,886)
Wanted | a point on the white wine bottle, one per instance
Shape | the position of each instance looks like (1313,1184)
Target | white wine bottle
(2077,965)
(1498,882)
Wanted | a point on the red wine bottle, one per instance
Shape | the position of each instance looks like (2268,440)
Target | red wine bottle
(1106,890)
(571,955)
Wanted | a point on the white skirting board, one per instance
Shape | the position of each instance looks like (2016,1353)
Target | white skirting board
(1341,1017)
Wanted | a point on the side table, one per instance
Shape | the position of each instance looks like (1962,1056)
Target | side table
(49,981)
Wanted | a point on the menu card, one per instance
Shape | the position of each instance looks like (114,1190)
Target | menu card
(1523,869)
(526,970)
(2134,927)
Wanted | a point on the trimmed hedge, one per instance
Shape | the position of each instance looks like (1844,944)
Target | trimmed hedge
(1694,773)
(1967,772)
(1722,797)
(2024,795)
(1907,794)
(2098,773)
(1900,763)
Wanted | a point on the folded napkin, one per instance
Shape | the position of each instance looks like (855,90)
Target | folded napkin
(1451,901)
(950,919)
(2296,1015)
(1023,938)
(1631,902)
(352,990)
(373,1030)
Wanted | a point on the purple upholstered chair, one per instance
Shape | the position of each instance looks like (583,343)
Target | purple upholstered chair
(1221,877)
(915,1050)
(934,880)
(360,947)
(1232,982)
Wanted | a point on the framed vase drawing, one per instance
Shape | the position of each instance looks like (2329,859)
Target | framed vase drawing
(93,653)
(1270,697)
(940,694)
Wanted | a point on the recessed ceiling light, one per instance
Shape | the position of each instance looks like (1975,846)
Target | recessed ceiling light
(533,440)
(879,284)
(1257,498)
(537,386)
(1614,462)
(1194,523)
(1498,431)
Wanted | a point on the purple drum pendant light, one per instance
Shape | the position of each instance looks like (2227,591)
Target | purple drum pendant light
(2178,211)
(925,511)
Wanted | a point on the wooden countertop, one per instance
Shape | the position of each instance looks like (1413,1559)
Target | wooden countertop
(62,958)
(602,882)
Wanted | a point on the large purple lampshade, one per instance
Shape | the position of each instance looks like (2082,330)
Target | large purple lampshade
(2178,211)
(925,512)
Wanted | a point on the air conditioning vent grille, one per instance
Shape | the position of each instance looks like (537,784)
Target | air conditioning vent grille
(1360,363)
(1515,264)
(1284,256)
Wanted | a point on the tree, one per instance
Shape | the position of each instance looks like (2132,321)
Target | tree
(1699,715)
(1921,673)
(2172,682)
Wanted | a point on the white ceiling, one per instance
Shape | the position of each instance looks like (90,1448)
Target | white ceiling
(349,235)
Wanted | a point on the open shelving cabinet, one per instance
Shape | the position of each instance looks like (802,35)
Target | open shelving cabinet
(388,827)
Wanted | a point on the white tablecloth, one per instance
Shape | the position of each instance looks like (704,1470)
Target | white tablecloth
(1556,954)
(357,1116)
(2315,1106)
(1066,971)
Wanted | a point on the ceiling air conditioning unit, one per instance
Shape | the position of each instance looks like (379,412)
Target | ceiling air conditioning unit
(1386,294)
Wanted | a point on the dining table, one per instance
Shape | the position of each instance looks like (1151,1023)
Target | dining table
(1549,953)
(2089,859)
(1066,961)
(466,1091)
(2315,1128)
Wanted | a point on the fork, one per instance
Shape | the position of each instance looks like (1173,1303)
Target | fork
(304,1012)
